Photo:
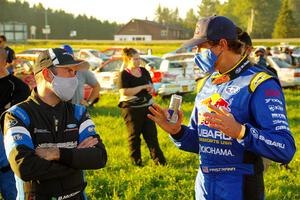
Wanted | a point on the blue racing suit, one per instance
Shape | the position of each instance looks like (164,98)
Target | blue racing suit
(231,168)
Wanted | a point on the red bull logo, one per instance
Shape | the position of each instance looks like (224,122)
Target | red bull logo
(215,100)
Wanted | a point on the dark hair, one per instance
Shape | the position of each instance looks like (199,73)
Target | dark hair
(128,53)
(3,37)
(235,46)
(245,38)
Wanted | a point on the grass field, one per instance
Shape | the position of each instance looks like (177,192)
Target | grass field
(158,47)
(121,180)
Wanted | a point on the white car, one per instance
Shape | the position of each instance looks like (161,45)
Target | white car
(288,75)
(198,74)
(182,50)
(108,74)
(93,57)
(176,77)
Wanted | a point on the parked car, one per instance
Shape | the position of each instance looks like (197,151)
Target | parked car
(152,61)
(198,74)
(118,51)
(113,51)
(288,75)
(177,77)
(192,50)
(152,64)
(296,56)
(24,68)
(33,51)
(92,56)
(108,73)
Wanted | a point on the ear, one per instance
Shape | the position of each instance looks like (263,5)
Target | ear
(224,44)
(47,75)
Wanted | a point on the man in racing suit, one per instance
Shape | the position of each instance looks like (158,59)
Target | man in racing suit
(239,116)
(49,141)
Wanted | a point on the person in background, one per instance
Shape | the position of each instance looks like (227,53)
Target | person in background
(135,97)
(48,140)
(239,117)
(245,38)
(285,55)
(268,51)
(260,57)
(12,91)
(11,56)
(85,77)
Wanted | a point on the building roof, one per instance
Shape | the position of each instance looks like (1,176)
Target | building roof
(151,23)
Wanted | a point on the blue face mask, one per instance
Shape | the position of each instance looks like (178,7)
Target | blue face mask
(206,61)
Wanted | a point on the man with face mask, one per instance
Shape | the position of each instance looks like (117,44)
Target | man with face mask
(49,141)
(239,116)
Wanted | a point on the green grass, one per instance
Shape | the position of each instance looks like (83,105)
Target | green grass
(158,47)
(121,180)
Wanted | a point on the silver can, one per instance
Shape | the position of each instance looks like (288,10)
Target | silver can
(174,108)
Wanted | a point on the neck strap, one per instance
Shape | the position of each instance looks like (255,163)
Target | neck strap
(234,72)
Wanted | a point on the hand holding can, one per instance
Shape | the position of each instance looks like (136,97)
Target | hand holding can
(174,108)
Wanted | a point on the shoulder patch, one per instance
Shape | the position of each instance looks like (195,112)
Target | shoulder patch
(20,113)
(258,79)
(79,111)
(201,82)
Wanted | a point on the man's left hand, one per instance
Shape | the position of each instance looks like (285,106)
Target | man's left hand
(48,153)
(222,120)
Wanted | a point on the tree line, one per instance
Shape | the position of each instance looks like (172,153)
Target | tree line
(261,18)
(61,23)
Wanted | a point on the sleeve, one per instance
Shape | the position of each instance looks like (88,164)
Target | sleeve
(187,139)
(90,78)
(269,135)
(20,152)
(85,158)
(124,82)
(11,56)
(147,75)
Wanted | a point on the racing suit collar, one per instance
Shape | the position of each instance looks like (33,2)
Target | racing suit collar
(233,73)
(35,97)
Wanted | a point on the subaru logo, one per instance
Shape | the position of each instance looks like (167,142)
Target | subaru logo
(233,89)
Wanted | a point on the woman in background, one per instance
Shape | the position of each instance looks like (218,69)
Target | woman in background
(135,98)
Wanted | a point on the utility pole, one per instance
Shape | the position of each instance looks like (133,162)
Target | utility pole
(46,24)
(250,22)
